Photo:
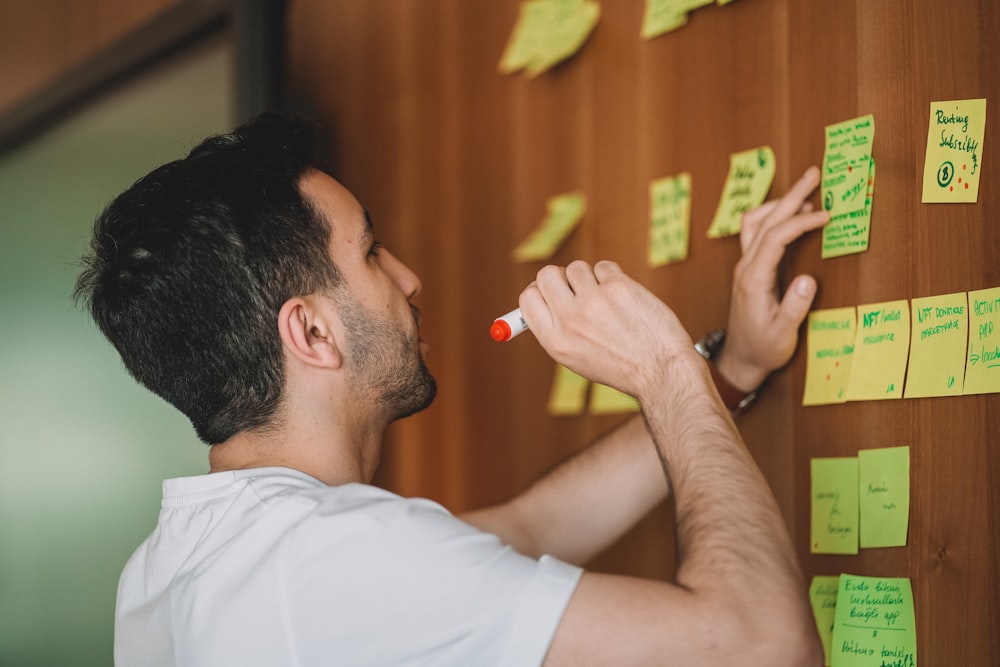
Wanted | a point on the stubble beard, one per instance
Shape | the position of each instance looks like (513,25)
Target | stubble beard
(385,363)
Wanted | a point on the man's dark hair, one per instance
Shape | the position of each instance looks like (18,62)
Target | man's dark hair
(189,267)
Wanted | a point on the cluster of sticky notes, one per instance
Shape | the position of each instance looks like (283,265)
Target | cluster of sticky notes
(568,396)
(865,621)
(662,16)
(548,32)
(848,181)
(862,500)
(946,345)
(953,161)
(669,219)
(563,214)
(751,173)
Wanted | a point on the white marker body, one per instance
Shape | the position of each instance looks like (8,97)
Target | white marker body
(515,321)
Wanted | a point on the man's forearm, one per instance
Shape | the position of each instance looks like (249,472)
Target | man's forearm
(732,540)
(587,503)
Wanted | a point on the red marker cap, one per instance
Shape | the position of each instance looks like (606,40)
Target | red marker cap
(500,331)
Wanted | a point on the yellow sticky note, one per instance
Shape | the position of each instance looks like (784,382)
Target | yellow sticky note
(606,400)
(982,370)
(568,395)
(880,351)
(750,175)
(939,329)
(669,219)
(566,26)
(954,157)
(830,349)
(874,624)
(563,215)
(846,163)
(834,487)
(660,17)
(848,233)
(823,597)
(883,496)
(525,38)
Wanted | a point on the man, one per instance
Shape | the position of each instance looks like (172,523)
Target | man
(245,287)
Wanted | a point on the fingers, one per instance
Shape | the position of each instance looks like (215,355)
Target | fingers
(797,300)
(763,258)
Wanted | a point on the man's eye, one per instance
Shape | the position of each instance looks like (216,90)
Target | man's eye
(374,249)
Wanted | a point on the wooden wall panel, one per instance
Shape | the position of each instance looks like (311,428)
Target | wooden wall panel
(42,39)
(455,163)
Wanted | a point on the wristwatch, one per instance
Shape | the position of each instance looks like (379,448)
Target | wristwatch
(736,400)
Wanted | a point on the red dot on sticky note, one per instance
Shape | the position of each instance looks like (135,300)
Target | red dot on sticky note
(951,188)
(966,186)
(828,377)
(963,167)
(849,169)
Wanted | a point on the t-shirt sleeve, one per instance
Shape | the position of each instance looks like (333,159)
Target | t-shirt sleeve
(404,582)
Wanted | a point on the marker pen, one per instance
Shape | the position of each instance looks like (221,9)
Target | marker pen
(506,327)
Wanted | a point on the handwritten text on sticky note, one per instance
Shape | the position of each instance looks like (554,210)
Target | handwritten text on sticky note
(880,351)
(954,158)
(830,349)
(834,507)
(884,496)
(938,333)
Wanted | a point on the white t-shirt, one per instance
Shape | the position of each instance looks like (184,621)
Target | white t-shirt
(271,567)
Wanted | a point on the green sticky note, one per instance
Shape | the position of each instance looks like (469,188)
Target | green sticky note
(883,496)
(880,351)
(938,335)
(823,597)
(953,161)
(669,219)
(834,492)
(982,370)
(568,395)
(660,17)
(605,400)
(750,175)
(848,233)
(874,624)
(566,26)
(830,349)
(846,164)
(563,215)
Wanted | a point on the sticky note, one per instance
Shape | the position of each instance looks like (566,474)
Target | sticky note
(605,400)
(568,24)
(830,349)
(546,33)
(954,158)
(880,351)
(660,17)
(939,332)
(750,175)
(848,233)
(525,38)
(883,496)
(846,163)
(568,395)
(563,215)
(669,219)
(823,598)
(874,623)
(834,488)
(982,370)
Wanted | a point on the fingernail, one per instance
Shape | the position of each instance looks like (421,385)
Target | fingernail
(805,287)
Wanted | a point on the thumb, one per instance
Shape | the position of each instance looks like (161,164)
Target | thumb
(797,300)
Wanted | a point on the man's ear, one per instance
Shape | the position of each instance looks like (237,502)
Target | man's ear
(307,333)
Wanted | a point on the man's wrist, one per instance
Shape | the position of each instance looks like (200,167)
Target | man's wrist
(737,395)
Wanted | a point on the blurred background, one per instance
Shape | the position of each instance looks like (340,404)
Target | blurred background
(455,161)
